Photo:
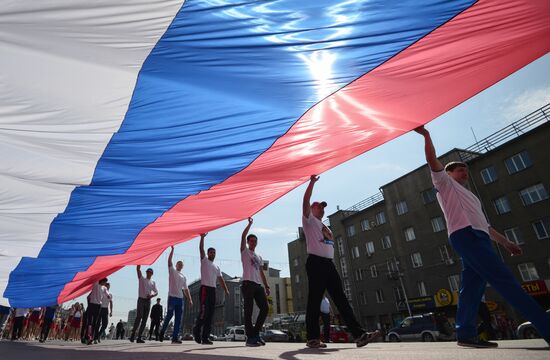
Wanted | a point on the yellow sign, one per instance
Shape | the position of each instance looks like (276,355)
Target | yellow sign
(443,297)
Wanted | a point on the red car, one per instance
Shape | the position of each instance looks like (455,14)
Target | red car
(338,334)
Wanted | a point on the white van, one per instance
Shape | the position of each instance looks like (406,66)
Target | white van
(235,333)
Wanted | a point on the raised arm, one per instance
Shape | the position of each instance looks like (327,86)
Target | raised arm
(512,247)
(434,164)
(245,233)
(139,274)
(306,206)
(170,264)
(201,246)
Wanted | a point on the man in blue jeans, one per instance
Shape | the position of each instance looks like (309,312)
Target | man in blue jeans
(471,235)
(177,288)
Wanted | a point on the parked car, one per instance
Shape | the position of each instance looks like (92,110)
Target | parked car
(274,336)
(422,327)
(338,334)
(235,334)
(526,330)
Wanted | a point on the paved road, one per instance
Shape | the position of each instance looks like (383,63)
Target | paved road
(124,350)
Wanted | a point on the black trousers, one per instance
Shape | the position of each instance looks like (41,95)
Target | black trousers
(120,334)
(104,319)
(92,320)
(142,313)
(322,276)
(17,327)
(46,328)
(253,292)
(326,326)
(155,324)
(203,324)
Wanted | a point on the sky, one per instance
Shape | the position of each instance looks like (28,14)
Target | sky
(507,101)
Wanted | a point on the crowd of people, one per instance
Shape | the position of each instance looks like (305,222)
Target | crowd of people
(469,234)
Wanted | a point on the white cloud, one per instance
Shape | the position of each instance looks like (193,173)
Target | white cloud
(526,103)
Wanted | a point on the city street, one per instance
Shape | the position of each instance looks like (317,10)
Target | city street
(123,350)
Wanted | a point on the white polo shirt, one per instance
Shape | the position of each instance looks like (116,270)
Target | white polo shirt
(252,264)
(315,240)
(106,299)
(459,205)
(209,272)
(96,296)
(176,283)
(146,287)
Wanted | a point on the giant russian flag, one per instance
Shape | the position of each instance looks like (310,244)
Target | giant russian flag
(129,126)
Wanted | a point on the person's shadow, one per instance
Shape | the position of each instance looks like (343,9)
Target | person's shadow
(291,355)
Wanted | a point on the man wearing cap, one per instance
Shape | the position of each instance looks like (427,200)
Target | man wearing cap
(210,272)
(177,289)
(322,275)
(470,235)
(147,291)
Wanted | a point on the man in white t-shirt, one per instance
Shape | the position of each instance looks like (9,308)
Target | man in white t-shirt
(147,291)
(471,235)
(177,289)
(251,288)
(104,314)
(210,272)
(94,309)
(322,275)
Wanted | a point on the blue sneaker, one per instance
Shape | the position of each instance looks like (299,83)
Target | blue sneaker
(252,342)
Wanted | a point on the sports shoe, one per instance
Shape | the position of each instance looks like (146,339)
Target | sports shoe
(261,341)
(196,335)
(140,341)
(176,341)
(367,338)
(132,337)
(253,342)
(316,344)
(476,343)
(207,342)
(548,341)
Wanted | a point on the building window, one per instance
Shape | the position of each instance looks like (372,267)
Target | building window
(438,224)
(362,298)
(488,175)
(297,279)
(344,267)
(397,293)
(528,272)
(454,282)
(380,218)
(542,228)
(416,260)
(533,194)
(355,252)
(358,274)
(502,206)
(365,224)
(370,248)
(295,262)
(373,271)
(347,289)
(518,162)
(379,296)
(514,235)
(409,234)
(421,288)
(340,245)
(428,196)
(350,230)
(386,242)
(393,266)
(444,253)
(401,207)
